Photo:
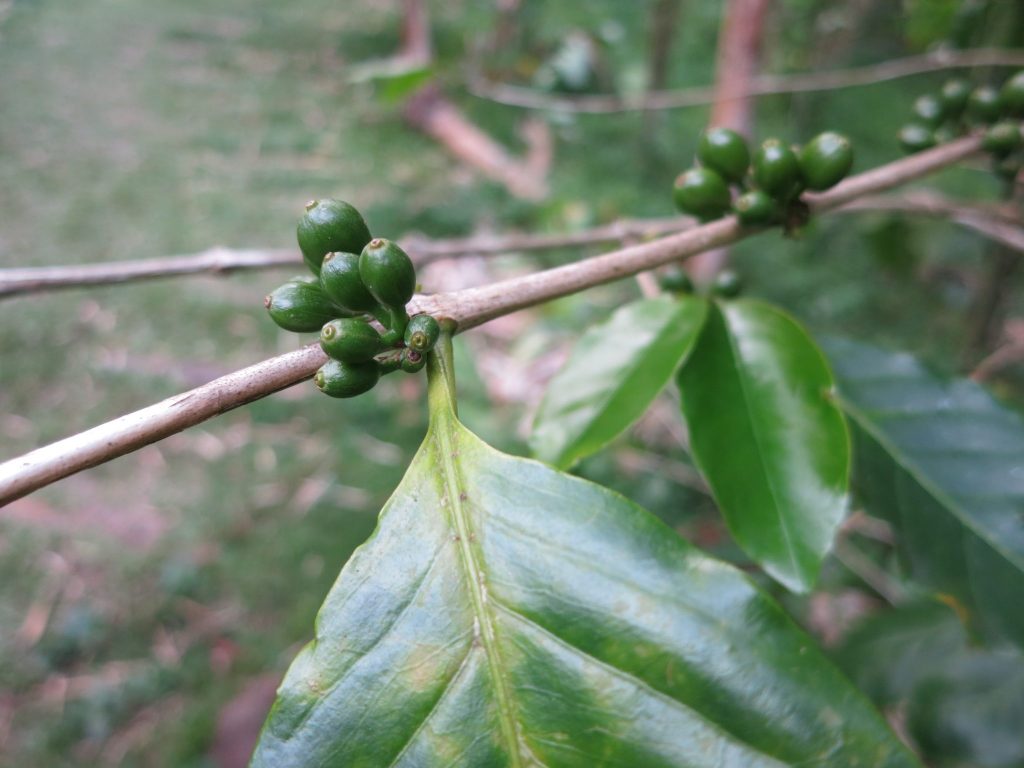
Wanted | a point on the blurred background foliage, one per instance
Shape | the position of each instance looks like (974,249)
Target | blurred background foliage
(144,604)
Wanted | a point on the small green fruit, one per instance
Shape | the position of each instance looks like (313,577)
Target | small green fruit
(675,280)
(351,340)
(421,333)
(300,305)
(413,361)
(701,192)
(1002,138)
(954,96)
(776,170)
(341,281)
(388,273)
(339,379)
(825,160)
(330,225)
(929,110)
(725,152)
(915,137)
(727,284)
(1012,95)
(756,208)
(984,105)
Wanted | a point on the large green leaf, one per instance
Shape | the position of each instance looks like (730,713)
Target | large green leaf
(944,462)
(506,614)
(612,376)
(767,436)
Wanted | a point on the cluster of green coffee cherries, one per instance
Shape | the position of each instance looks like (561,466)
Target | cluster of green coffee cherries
(727,284)
(357,279)
(958,108)
(768,185)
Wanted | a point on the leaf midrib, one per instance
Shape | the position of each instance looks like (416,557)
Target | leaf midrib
(787,538)
(445,432)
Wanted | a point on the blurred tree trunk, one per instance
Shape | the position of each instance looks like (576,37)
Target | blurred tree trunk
(664,20)
(738,57)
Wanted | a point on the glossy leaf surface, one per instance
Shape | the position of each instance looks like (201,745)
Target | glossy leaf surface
(506,614)
(613,374)
(944,463)
(767,436)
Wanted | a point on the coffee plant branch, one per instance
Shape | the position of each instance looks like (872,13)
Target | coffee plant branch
(467,308)
(518,96)
(994,222)
(224,261)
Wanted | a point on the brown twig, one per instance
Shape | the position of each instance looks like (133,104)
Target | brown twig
(1004,357)
(467,308)
(517,96)
(997,223)
(222,261)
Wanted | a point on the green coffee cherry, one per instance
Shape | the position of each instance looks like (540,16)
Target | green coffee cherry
(984,105)
(727,284)
(725,152)
(341,282)
(825,160)
(929,110)
(421,333)
(300,305)
(339,379)
(701,192)
(756,208)
(1002,138)
(675,280)
(330,225)
(776,170)
(413,361)
(954,96)
(351,340)
(388,273)
(1012,95)
(915,137)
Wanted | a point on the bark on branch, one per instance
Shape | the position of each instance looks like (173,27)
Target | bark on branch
(517,96)
(468,308)
(223,261)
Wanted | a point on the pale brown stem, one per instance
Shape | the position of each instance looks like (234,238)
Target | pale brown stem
(223,261)
(467,308)
(893,69)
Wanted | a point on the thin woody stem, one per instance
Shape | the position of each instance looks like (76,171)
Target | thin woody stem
(465,309)
(224,261)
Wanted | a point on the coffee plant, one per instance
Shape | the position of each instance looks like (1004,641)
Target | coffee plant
(508,612)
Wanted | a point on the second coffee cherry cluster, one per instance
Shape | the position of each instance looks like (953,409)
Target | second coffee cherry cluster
(768,185)
(357,279)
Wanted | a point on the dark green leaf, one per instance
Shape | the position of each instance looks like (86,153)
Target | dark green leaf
(971,712)
(612,376)
(944,463)
(506,614)
(767,436)
(887,655)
